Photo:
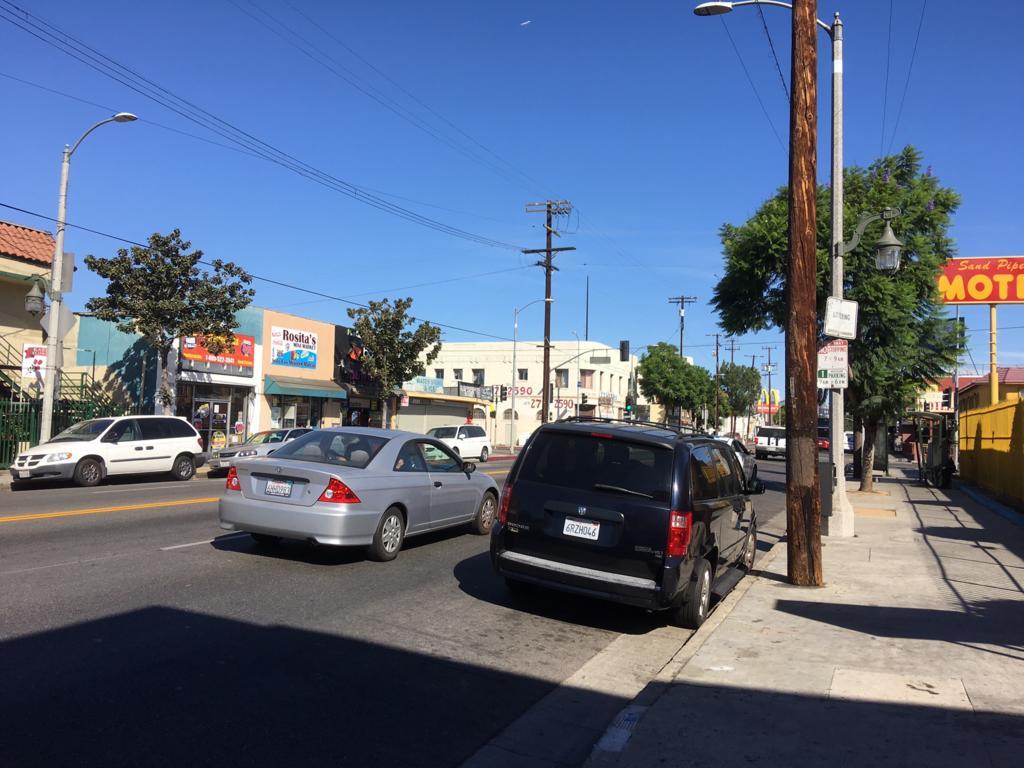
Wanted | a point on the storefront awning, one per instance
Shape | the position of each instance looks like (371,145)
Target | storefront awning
(286,385)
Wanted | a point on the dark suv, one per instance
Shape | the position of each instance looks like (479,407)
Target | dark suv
(634,513)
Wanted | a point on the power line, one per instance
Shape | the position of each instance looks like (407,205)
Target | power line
(750,80)
(885,91)
(771,44)
(412,96)
(261,278)
(910,69)
(69,45)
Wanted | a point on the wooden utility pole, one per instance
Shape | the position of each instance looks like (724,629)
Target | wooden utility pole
(682,301)
(718,391)
(550,208)
(803,503)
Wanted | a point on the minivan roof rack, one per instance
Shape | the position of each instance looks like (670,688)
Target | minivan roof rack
(680,430)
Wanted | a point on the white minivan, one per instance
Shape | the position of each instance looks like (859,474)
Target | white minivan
(91,450)
(467,440)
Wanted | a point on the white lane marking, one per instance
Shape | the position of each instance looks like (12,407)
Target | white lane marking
(204,541)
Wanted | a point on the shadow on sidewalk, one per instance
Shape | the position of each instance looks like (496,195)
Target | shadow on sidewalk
(744,726)
(987,622)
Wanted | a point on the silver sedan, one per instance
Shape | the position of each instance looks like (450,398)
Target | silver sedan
(355,486)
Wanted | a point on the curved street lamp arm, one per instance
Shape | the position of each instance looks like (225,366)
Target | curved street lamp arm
(780,4)
(862,224)
(82,137)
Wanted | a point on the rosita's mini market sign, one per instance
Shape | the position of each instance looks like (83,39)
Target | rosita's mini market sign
(292,347)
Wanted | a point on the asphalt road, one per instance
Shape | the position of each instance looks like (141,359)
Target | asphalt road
(132,632)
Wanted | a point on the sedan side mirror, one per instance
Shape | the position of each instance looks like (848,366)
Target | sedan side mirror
(469,467)
(756,486)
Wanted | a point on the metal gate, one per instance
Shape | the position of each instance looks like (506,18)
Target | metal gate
(19,428)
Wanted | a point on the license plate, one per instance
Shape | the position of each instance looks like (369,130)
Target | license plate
(278,488)
(581,529)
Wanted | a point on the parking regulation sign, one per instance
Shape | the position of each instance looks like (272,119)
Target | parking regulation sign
(833,365)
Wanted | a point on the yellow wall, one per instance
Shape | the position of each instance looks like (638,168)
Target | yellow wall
(992,449)
(978,395)
(324,357)
(18,327)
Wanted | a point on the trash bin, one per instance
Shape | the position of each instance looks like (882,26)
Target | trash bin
(826,481)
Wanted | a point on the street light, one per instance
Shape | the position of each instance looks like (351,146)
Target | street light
(54,343)
(34,302)
(841,522)
(515,339)
(887,247)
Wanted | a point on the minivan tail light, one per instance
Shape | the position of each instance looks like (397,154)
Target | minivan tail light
(337,492)
(506,502)
(233,483)
(680,528)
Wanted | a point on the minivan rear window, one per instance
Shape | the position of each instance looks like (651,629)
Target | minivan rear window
(604,465)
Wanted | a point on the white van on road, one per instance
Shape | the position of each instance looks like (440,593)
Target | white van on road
(467,440)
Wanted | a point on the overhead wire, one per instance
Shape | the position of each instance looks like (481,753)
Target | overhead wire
(753,87)
(771,44)
(71,46)
(910,69)
(261,278)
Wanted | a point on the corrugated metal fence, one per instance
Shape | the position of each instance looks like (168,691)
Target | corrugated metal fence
(992,450)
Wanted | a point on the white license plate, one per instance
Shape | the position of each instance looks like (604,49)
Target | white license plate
(581,529)
(278,488)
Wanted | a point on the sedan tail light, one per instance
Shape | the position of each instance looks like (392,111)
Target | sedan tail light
(337,492)
(506,502)
(680,528)
(233,483)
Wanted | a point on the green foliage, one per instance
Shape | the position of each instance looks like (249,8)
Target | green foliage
(670,381)
(741,386)
(393,353)
(161,293)
(903,341)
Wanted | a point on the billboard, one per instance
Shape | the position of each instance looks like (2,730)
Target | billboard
(293,348)
(237,360)
(988,280)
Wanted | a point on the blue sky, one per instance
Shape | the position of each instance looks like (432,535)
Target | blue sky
(639,113)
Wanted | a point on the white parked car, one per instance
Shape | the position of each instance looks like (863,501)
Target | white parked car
(91,450)
(260,444)
(467,440)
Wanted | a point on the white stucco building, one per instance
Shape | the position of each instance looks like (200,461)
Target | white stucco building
(602,379)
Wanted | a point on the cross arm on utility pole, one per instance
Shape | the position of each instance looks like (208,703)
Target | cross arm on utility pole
(534,251)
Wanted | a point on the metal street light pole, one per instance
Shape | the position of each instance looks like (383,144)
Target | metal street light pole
(515,372)
(842,511)
(578,353)
(54,342)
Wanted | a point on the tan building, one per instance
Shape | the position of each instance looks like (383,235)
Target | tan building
(25,257)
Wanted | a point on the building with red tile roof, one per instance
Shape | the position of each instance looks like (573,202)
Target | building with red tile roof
(25,243)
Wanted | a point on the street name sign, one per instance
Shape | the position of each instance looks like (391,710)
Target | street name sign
(833,365)
(840,318)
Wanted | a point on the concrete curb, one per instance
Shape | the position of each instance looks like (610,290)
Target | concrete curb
(609,748)
(991,504)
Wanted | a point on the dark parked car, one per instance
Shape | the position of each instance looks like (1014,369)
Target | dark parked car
(633,513)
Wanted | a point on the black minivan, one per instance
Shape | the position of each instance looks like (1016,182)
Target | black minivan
(630,512)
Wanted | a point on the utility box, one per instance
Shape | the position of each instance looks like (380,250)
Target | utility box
(826,480)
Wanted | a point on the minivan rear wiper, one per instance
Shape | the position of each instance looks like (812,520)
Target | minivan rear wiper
(620,489)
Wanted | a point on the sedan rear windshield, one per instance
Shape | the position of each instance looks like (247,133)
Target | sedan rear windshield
(601,464)
(343,449)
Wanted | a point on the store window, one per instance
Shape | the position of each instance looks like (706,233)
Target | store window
(219,412)
(289,412)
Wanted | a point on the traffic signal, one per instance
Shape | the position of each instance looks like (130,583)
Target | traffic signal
(624,351)
(584,400)
(629,404)
(503,395)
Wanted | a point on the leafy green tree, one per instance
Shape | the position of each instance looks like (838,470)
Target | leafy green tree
(393,353)
(903,341)
(160,293)
(671,382)
(741,386)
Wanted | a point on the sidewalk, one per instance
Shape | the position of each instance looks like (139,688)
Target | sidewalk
(912,654)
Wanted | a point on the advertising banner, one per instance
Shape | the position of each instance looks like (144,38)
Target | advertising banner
(33,362)
(238,359)
(989,280)
(293,348)
(768,402)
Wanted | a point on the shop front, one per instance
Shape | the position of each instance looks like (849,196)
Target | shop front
(296,402)
(214,391)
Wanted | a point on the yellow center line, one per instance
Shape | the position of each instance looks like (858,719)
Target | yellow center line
(104,510)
